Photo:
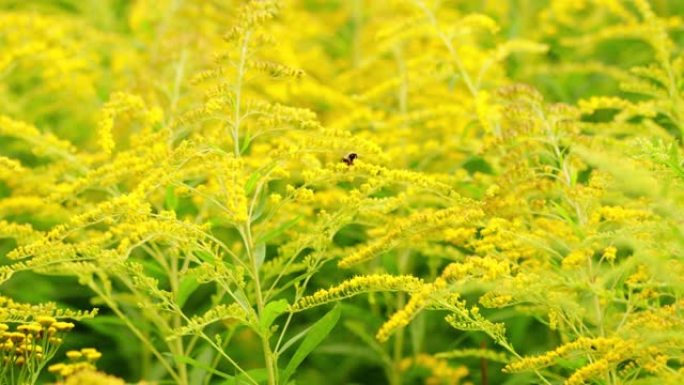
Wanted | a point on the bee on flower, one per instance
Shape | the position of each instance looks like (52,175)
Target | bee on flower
(349,159)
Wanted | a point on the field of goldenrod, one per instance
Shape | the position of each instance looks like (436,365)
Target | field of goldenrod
(341,192)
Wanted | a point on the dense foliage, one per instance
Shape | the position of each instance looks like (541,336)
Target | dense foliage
(342,192)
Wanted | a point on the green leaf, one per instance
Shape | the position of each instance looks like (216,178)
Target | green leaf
(279,230)
(195,363)
(292,341)
(258,375)
(187,286)
(170,200)
(105,324)
(271,311)
(205,256)
(417,331)
(259,254)
(204,355)
(152,268)
(358,328)
(245,143)
(260,206)
(241,298)
(315,335)
(251,182)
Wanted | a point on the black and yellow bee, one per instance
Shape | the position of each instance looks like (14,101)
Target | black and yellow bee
(349,159)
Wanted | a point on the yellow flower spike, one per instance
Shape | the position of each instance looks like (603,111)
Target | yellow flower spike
(55,368)
(118,103)
(16,336)
(424,221)
(74,354)
(46,321)
(33,328)
(88,350)
(441,372)
(55,340)
(609,253)
(35,348)
(93,356)
(67,371)
(63,326)
(275,198)
(403,317)
(576,259)
(358,285)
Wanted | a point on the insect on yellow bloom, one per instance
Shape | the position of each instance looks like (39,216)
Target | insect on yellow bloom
(349,159)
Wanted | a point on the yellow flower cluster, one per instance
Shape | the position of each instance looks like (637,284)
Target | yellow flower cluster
(441,290)
(400,319)
(79,360)
(25,351)
(120,104)
(13,311)
(611,350)
(359,285)
(486,268)
(217,313)
(577,258)
(619,351)
(441,373)
(421,222)
(90,377)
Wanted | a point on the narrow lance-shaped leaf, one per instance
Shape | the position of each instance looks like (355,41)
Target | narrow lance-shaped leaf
(271,311)
(314,337)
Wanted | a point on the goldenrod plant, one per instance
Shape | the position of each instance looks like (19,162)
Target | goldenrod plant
(288,192)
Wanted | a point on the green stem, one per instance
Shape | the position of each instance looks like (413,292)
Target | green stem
(238,95)
(397,353)
(179,349)
(398,348)
(266,347)
(219,349)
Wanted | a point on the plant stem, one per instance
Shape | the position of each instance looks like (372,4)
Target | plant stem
(182,367)
(237,113)
(398,349)
(266,347)
(397,353)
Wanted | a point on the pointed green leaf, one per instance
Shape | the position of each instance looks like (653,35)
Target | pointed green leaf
(205,256)
(170,200)
(195,363)
(251,182)
(292,341)
(259,254)
(245,143)
(314,337)
(187,286)
(271,311)
(241,298)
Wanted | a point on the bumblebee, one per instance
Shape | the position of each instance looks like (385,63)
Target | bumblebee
(349,159)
